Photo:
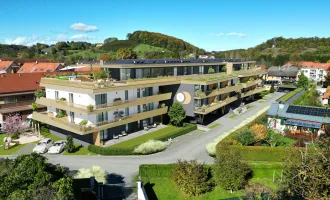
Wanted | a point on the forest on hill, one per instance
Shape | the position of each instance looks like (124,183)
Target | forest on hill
(277,51)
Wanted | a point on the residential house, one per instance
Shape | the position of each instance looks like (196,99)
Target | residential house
(40,67)
(8,67)
(140,91)
(326,97)
(313,70)
(17,94)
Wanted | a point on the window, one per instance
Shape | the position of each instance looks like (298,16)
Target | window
(71,117)
(100,99)
(138,93)
(103,135)
(56,95)
(126,94)
(125,74)
(139,108)
(101,117)
(127,111)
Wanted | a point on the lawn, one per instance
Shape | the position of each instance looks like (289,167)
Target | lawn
(214,125)
(290,94)
(162,187)
(261,101)
(249,106)
(11,150)
(156,135)
(233,116)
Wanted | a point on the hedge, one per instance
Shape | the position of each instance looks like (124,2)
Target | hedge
(108,151)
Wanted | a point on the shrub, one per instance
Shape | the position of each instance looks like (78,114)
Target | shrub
(96,171)
(259,131)
(177,114)
(245,137)
(272,89)
(39,93)
(44,129)
(63,99)
(83,122)
(110,151)
(61,113)
(229,172)
(151,146)
(102,74)
(90,108)
(274,138)
(211,71)
(256,191)
(34,106)
(69,144)
(191,177)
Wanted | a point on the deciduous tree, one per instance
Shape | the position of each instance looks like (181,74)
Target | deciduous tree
(14,124)
(177,114)
(126,53)
(303,81)
(191,177)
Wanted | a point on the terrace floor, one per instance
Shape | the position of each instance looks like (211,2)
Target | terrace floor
(133,135)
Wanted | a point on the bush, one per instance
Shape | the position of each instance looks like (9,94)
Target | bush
(229,172)
(61,113)
(110,151)
(255,191)
(39,93)
(96,171)
(149,147)
(90,108)
(177,133)
(44,129)
(259,131)
(83,122)
(245,137)
(191,177)
(69,144)
(34,106)
(274,138)
(272,89)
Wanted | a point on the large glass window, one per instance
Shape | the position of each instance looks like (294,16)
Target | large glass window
(126,94)
(146,73)
(101,117)
(56,95)
(157,71)
(138,93)
(139,108)
(103,135)
(169,71)
(138,73)
(127,111)
(100,99)
(125,74)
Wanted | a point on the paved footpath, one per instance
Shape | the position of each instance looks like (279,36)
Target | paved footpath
(193,148)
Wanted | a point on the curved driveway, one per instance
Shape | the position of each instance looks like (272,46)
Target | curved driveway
(127,166)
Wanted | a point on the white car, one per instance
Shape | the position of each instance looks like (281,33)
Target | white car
(57,147)
(43,145)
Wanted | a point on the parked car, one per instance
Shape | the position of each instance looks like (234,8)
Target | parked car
(43,145)
(57,147)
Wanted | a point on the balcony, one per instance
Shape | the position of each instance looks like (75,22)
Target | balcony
(17,106)
(207,79)
(251,83)
(218,91)
(250,72)
(103,107)
(63,123)
(251,92)
(214,106)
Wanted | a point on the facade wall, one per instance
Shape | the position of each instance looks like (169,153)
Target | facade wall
(315,74)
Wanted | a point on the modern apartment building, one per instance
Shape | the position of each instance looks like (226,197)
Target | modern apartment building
(140,91)
(314,71)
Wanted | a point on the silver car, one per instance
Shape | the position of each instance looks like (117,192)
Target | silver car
(43,145)
(57,147)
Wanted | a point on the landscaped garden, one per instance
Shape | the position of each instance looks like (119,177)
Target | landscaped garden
(11,150)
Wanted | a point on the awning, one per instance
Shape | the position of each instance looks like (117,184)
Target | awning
(303,123)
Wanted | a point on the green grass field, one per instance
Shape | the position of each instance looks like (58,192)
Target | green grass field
(9,151)
(214,125)
(163,187)
(290,94)
(144,138)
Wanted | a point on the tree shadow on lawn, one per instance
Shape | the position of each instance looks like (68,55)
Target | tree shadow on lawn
(77,148)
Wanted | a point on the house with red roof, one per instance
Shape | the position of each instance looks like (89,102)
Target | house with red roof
(35,67)
(314,71)
(17,94)
(8,67)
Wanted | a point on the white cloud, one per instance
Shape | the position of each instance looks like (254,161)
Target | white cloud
(82,37)
(28,41)
(217,34)
(83,27)
(236,34)
(61,37)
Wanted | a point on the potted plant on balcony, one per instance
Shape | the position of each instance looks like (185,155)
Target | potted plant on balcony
(83,124)
(117,101)
(90,108)
(204,107)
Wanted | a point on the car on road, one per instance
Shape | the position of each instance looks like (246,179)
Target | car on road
(43,145)
(57,147)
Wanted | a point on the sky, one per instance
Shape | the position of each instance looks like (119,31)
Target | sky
(208,24)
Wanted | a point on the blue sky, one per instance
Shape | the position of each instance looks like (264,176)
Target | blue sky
(209,24)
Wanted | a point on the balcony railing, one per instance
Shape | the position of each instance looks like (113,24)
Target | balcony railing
(251,92)
(218,91)
(214,106)
(64,123)
(251,83)
(21,103)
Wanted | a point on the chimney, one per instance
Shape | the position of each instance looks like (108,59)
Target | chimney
(101,62)
(281,105)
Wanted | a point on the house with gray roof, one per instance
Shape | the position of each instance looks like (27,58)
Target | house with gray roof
(285,74)
(298,119)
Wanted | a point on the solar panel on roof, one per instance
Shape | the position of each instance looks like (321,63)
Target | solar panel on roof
(303,110)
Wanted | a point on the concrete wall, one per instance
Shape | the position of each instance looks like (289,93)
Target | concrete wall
(187,92)
(84,140)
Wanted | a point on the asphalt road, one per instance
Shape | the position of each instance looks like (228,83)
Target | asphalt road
(127,166)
